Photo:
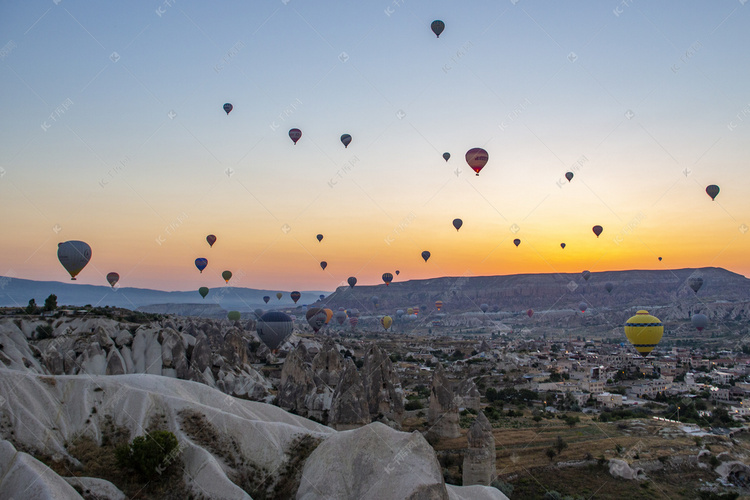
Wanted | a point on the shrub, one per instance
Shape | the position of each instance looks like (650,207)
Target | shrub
(413,405)
(43,332)
(148,455)
(505,488)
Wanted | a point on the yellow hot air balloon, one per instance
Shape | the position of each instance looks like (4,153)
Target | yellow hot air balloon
(644,332)
(386,321)
(329,315)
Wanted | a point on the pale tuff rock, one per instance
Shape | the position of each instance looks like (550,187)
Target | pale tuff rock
(442,414)
(94,360)
(296,380)
(349,407)
(383,390)
(475,492)
(23,476)
(620,468)
(479,458)
(115,363)
(96,488)
(327,365)
(467,395)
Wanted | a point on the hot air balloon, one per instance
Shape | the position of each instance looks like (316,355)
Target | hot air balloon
(258,312)
(425,255)
(203,291)
(201,263)
(352,281)
(233,316)
(295,134)
(273,328)
(477,159)
(112,279)
(712,191)
(398,272)
(609,286)
(316,317)
(295,296)
(446,156)
(346,139)
(484,307)
(582,306)
(228,107)
(644,332)
(323,265)
(399,313)
(457,223)
(597,230)
(530,313)
(321,296)
(227,275)
(354,312)
(569,176)
(73,255)
(266,298)
(439,305)
(387,278)
(659,259)
(340,316)
(416,311)
(516,242)
(386,321)
(699,321)
(409,311)
(695,282)
(437,27)
(562,245)
(353,321)
(375,300)
(586,275)
(320,237)
(329,314)
(211,239)
(279,295)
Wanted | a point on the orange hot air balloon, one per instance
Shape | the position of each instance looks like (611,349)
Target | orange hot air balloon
(477,158)
(439,305)
(597,230)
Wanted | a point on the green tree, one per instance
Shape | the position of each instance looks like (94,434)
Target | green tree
(148,455)
(50,303)
(31,308)
(560,445)
(550,454)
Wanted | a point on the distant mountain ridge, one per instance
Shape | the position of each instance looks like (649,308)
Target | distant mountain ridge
(16,292)
(519,292)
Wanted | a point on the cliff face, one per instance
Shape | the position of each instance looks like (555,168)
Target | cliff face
(550,291)
(442,414)
(479,457)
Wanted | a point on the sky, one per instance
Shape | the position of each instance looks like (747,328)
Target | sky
(113,133)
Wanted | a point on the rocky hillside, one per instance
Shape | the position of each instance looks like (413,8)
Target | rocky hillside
(227,448)
(542,292)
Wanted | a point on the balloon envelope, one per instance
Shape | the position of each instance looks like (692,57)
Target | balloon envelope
(233,315)
(586,275)
(201,263)
(425,255)
(295,296)
(323,265)
(227,275)
(320,237)
(386,321)
(530,313)
(446,156)
(203,291)
(477,158)
(279,295)
(562,245)
(340,317)
(712,191)
(398,272)
(352,281)
(228,107)
(516,242)
(346,139)
(569,176)
(73,255)
(699,321)
(484,307)
(211,239)
(597,230)
(439,305)
(316,318)
(112,279)
(266,298)
(437,27)
(295,134)
(273,328)
(644,332)
(387,278)
(457,223)
(583,306)
(695,283)
(609,286)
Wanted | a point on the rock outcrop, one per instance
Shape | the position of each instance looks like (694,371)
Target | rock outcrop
(442,414)
(385,396)
(327,365)
(479,457)
(349,406)
(620,468)
(23,476)
(467,395)
(296,381)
